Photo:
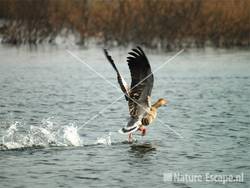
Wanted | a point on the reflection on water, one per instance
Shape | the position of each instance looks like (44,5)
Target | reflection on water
(47,96)
(142,149)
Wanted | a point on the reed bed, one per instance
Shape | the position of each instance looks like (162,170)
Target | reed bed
(163,24)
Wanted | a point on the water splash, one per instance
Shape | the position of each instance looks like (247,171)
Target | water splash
(106,140)
(71,136)
(47,134)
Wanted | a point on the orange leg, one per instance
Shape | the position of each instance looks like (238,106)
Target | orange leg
(143,130)
(130,138)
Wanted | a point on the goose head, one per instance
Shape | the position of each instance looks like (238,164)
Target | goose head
(160,102)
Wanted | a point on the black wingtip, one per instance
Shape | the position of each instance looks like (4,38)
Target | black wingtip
(135,53)
(140,49)
(105,51)
(135,50)
(111,61)
(107,55)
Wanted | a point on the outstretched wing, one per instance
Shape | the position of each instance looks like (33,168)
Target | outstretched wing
(123,85)
(141,84)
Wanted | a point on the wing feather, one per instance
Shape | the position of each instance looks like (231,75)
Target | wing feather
(141,84)
(123,85)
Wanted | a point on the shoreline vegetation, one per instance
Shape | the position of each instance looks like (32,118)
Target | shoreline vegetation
(165,24)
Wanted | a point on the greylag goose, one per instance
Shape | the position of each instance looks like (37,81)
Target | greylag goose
(138,95)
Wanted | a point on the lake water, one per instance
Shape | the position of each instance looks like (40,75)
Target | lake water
(52,134)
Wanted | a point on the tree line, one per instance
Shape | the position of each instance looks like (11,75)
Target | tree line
(153,23)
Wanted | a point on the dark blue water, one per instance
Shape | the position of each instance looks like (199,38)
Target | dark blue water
(49,137)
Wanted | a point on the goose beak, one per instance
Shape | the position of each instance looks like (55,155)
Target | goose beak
(166,103)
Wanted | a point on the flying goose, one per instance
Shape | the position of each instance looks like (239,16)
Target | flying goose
(138,95)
